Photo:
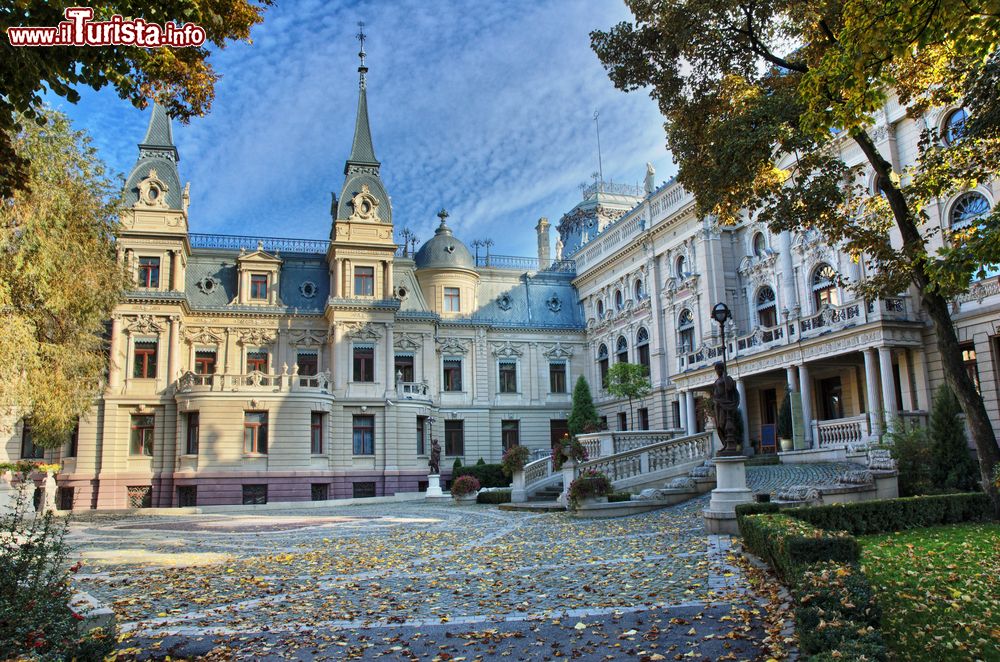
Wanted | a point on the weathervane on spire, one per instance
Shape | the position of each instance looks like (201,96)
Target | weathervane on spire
(361,37)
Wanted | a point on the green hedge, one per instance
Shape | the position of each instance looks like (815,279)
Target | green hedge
(488,475)
(790,545)
(619,496)
(493,497)
(897,514)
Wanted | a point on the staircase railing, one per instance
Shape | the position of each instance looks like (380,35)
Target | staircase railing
(651,462)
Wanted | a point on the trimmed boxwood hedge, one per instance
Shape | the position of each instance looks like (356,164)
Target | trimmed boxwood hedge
(790,545)
(887,515)
(488,475)
(619,496)
(493,497)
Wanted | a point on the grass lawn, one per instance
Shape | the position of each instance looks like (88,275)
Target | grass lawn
(939,589)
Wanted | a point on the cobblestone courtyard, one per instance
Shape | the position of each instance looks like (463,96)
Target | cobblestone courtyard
(413,580)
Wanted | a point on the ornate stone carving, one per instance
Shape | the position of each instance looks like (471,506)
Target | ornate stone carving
(256,337)
(361,331)
(364,205)
(554,303)
(451,346)
(506,350)
(208,284)
(308,289)
(504,302)
(558,351)
(152,191)
(407,341)
(308,338)
(203,335)
(145,324)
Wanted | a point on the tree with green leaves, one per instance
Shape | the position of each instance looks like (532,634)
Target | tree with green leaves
(628,380)
(59,279)
(761,97)
(181,79)
(952,468)
(583,416)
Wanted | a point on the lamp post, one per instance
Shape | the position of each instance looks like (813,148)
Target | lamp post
(721,313)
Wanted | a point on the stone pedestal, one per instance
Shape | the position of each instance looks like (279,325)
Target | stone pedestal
(517,493)
(434,488)
(731,490)
(7,495)
(568,476)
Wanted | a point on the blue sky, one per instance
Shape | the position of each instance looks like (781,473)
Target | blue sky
(484,107)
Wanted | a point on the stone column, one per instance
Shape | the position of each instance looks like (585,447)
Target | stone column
(792,375)
(389,285)
(789,296)
(390,361)
(346,287)
(744,417)
(115,369)
(173,271)
(330,350)
(888,387)
(922,391)
(173,358)
(871,390)
(805,386)
(338,279)
(692,415)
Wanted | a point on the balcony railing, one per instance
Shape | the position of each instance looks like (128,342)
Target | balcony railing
(269,244)
(413,390)
(841,431)
(255,380)
(519,263)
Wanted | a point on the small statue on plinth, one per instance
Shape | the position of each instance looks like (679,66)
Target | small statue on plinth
(727,412)
(434,463)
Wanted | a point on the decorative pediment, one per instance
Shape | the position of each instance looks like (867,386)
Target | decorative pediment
(152,191)
(759,270)
(256,337)
(452,346)
(558,351)
(145,324)
(506,350)
(307,338)
(203,335)
(364,205)
(361,331)
(259,256)
(407,341)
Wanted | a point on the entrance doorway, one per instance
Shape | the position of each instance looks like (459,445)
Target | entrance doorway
(831,395)
(768,420)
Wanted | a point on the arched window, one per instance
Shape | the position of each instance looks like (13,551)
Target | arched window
(759,244)
(638,288)
(621,350)
(602,362)
(968,209)
(619,301)
(685,331)
(767,311)
(680,267)
(642,347)
(600,308)
(824,287)
(954,126)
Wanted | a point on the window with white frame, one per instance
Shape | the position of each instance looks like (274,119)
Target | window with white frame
(621,350)
(966,215)
(507,369)
(765,305)
(557,376)
(759,244)
(452,300)
(642,347)
(602,363)
(954,126)
(824,287)
(685,331)
(452,373)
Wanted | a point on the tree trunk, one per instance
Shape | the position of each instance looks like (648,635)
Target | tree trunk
(937,308)
(631,414)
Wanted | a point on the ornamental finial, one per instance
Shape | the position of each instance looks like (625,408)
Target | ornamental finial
(362,70)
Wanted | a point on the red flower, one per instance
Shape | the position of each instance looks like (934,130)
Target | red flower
(77,616)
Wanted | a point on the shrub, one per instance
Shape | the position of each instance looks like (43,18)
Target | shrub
(480,462)
(827,590)
(583,415)
(896,514)
(784,424)
(464,486)
(567,448)
(36,620)
(514,459)
(790,545)
(456,465)
(911,448)
(493,497)
(952,467)
(590,484)
(488,475)
(615,497)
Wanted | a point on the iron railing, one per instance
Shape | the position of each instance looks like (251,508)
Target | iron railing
(269,244)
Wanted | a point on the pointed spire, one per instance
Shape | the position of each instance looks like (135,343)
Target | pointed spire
(157,154)
(362,149)
(159,133)
(362,70)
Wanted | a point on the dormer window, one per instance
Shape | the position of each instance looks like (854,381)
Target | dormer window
(149,272)
(258,287)
(452,300)
(364,281)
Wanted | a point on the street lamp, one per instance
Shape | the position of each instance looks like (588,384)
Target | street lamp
(721,314)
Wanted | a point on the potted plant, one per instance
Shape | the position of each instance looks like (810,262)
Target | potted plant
(465,489)
(567,448)
(784,426)
(591,486)
(514,459)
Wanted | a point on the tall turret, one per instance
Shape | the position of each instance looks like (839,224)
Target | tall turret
(544,249)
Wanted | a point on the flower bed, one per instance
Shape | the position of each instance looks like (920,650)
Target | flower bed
(514,459)
(464,486)
(567,448)
(591,484)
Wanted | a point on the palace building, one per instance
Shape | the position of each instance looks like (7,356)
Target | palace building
(247,370)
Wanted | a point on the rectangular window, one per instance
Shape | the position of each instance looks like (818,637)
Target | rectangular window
(187,496)
(603,364)
(258,287)
(643,418)
(686,337)
(308,363)
(604,422)
(453,374)
(404,367)
(65,498)
(316,432)
(193,425)
(364,435)
(144,359)
(454,438)
(254,495)
(74,440)
(29,451)
(677,414)
(971,365)
(622,421)
(643,352)
(255,432)
(421,435)
(510,433)
(557,377)
(257,361)
(364,490)
(508,377)
(452,300)
(364,363)
(204,362)
(320,491)
(364,281)
(149,272)
(142,434)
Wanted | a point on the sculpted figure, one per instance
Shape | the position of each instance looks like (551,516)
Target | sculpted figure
(434,462)
(559,248)
(727,411)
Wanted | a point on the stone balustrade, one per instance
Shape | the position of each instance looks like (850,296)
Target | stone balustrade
(253,381)
(413,390)
(841,431)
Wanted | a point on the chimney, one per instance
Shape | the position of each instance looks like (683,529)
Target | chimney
(543,243)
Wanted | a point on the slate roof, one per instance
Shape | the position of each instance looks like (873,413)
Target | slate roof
(443,251)
(156,152)
(541,300)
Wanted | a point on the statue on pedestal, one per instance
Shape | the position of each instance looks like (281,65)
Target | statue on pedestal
(434,463)
(726,400)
